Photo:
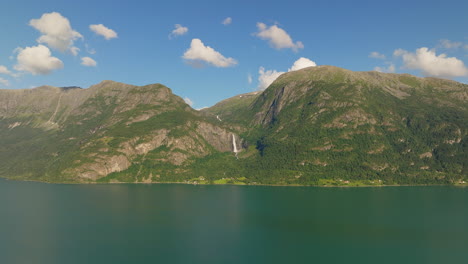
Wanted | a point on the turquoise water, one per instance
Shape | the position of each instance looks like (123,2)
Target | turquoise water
(48,223)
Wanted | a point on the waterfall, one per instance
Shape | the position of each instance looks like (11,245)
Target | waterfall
(234,145)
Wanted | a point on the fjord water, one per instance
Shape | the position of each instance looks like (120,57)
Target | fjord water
(169,223)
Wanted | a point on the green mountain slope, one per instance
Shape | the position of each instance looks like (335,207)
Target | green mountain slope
(329,123)
(233,110)
(110,131)
(316,126)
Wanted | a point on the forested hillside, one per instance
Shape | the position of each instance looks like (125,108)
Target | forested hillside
(316,126)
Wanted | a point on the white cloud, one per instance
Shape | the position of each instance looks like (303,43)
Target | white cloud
(74,51)
(450,44)
(56,32)
(4,82)
(188,101)
(377,55)
(227,21)
(277,37)
(4,70)
(198,52)
(104,31)
(87,61)
(37,60)
(266,78)
(399,52)
(431,64)
(389,69)
(302,63)
(178,31)
(249,78)
(380,56)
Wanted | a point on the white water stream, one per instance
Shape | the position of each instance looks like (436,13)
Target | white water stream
(234,145)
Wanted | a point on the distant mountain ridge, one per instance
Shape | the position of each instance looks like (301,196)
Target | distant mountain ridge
(317,126)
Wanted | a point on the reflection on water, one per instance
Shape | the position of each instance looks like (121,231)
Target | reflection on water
(46,223)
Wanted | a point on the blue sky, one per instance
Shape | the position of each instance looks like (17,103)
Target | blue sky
(209,61)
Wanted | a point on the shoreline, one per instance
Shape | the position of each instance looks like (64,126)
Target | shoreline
(233,184)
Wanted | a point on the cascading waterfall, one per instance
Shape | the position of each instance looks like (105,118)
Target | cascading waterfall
(234,145)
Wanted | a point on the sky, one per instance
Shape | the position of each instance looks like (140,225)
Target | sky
(207,51)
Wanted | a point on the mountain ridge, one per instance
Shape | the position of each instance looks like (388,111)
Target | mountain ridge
(316,126)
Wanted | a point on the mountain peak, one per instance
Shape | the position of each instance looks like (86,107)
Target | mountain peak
(107,82)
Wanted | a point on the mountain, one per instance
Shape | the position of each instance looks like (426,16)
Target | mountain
(327,125)
(317,126)
(83,135)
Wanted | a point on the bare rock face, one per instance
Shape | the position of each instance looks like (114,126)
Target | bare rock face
(101,167)
(219,138)
(132,148)
(190,144)
(177,150)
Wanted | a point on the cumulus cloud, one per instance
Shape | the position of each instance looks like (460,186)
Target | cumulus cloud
(227,21)
(89,62)
(450,44)
(377,55)
(267,77)
(389,69)
(399,52)
(302,63)
(277,37)
(56,32)
(4,82)
(249,78)
(188,101)
(37,60)
(4,70)
(179,30)
(198,52)
(431,64)
(104,31)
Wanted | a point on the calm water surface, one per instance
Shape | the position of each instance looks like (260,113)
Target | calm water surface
(47,223)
